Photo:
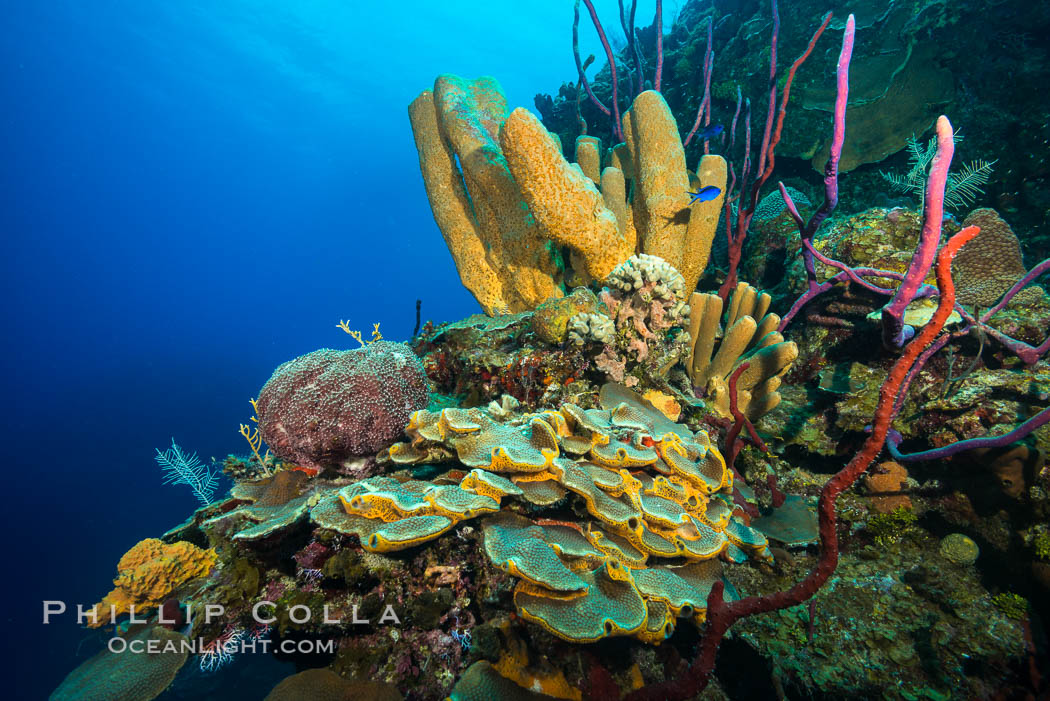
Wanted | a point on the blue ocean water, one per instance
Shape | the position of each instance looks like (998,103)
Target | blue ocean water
(194,193)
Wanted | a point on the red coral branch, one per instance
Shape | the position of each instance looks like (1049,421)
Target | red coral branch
(612,69)
(580,65)
(733,444)
(770,139)
(704,112)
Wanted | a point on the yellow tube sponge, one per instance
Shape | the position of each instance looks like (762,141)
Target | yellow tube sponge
(451,206)
(704,312)
(565,203)
(661,200)
(589,156)
(746,301)
(744,341)
(619,156)
(703,220)
(469,115)
(614,192)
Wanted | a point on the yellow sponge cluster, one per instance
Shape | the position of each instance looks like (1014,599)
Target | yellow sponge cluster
(500,253)
(506,199)
(742,339)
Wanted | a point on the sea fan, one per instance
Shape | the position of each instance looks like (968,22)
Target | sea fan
(180,468)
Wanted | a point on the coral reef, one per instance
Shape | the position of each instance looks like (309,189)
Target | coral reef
(880,239)
(540,529)
(673,512)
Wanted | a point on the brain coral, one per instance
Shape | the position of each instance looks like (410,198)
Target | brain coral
(990,264)
(329,405)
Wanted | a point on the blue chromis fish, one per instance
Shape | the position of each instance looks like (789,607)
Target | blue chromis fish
(709,132)
(704,194)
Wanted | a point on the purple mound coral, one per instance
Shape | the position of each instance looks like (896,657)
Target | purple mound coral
(328,406)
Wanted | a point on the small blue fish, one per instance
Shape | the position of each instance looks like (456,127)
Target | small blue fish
(709,132)
(704,194)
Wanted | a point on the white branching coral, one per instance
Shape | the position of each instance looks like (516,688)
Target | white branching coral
(591,328)
(644,296)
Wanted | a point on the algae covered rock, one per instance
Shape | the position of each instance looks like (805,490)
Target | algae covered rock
(550,321)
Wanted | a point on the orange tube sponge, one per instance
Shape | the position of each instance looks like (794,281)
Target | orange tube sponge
(149,573)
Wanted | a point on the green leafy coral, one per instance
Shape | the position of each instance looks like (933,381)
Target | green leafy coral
(892,527)
(1012,605)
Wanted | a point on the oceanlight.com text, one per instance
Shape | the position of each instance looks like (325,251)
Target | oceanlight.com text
(119,645)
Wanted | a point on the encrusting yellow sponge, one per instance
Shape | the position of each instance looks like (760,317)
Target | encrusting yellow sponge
(148,574)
